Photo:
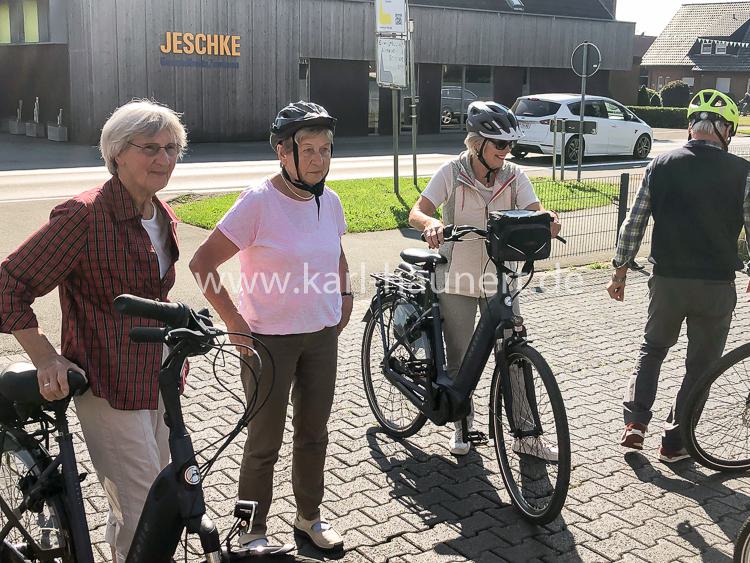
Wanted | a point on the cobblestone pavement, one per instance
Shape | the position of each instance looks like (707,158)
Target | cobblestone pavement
(412,501)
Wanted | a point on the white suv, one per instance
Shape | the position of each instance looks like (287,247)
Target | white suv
(618,130)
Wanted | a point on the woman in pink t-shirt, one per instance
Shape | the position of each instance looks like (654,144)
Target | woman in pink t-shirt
(294,298)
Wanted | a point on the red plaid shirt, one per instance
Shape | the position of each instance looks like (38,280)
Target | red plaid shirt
(93,249)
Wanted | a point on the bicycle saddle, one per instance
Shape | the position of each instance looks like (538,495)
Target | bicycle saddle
(420,256)
(18,383)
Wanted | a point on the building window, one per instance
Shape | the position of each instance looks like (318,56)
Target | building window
(517,5)
(659,83)
(30,21)
(689,80)
(667,80)
(723,84)
(721,48)
(4,23)
(706,48)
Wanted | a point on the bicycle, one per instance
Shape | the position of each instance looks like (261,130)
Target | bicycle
(42,517)
(715,423)
(406,379)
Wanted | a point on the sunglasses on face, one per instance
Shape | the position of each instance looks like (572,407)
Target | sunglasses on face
(152,149)
(502,145)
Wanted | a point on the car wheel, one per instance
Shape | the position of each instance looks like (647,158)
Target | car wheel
(571,150)
(519,153)
(642,147)
(446,117)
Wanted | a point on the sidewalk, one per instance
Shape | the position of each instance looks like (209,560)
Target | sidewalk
(411,501)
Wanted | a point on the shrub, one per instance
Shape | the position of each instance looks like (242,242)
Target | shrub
(644,95)
(673,118)
(655,100)
(675,94)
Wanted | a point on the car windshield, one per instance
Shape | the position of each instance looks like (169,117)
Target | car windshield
(531,107)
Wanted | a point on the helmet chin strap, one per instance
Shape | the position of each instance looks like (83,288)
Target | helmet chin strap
(314,189)
(724,142)
(480,157)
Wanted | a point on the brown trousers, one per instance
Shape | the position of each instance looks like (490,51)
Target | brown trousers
(306,364)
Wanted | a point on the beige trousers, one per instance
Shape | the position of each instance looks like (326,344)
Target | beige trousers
(128,450)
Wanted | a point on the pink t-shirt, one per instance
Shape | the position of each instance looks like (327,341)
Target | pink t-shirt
(289,260)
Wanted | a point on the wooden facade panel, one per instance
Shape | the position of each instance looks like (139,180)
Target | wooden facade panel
(332,31)
(80,119)
(104,59)
(287,54)
(159,17)
(311,22)
(132,49)
(244,85)
(264,65)
(213,87)
(189,80)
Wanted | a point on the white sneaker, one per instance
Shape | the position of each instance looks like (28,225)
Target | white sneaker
(535,446)
(457,446)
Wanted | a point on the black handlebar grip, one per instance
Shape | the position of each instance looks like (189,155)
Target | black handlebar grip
(175,315)
(147,334)
(447,233)
(77,382)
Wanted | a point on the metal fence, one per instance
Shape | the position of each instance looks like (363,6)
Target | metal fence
(591,211)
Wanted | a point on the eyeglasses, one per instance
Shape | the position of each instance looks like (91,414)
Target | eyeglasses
(502,145)
(152,149)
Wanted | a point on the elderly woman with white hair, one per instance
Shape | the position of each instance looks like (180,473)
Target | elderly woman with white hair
(116,238)
(287,229)
(468,188)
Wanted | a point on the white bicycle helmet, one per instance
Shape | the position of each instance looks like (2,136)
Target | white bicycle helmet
(493,121)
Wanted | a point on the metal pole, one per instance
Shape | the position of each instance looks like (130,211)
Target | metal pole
(412,68)
(554,150)
(394,102)
(583,106)
(562,151)
(622,204)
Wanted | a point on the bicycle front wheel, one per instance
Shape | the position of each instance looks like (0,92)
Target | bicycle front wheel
(532,443)
(43,533)
(715,422)
(393,411)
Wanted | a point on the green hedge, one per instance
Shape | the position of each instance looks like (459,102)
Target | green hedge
(673,118)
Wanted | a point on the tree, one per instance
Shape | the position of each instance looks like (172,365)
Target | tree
(675,94)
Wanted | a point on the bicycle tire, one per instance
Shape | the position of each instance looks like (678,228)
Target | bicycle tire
(526,474)
(375,381)
(718,407)
(50,530)
(742,544)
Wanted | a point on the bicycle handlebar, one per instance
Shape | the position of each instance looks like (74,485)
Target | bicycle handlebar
(148,334)
(175,315)
(454,233)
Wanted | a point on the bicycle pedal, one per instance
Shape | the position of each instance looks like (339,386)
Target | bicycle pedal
(477,438)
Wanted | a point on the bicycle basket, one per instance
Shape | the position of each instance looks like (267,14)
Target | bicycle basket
(518,236)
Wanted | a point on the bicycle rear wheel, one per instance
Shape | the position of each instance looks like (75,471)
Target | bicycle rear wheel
(532,443)
(742,545)
(43,534)
(715,422)
(394,412)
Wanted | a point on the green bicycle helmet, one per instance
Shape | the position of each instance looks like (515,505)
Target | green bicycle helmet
(712,105)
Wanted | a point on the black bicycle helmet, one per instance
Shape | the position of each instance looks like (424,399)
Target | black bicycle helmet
(493,121)
(296,116)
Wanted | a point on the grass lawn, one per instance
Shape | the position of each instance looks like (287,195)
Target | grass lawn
(371,205)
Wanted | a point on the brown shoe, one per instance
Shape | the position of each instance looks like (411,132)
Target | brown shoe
(320,533)
(633,435)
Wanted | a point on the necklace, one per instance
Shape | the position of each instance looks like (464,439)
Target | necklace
(294,194)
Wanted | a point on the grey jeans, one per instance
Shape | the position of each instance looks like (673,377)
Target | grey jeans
(707,306)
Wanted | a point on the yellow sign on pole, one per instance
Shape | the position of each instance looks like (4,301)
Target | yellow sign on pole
(391,17)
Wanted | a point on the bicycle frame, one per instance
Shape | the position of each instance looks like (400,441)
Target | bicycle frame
(66,462)
(175,500)
(447,399)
